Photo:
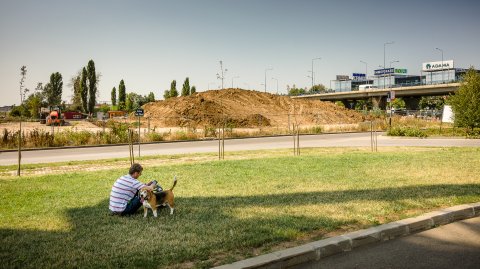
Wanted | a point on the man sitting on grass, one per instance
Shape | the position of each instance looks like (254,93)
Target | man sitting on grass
(124,198)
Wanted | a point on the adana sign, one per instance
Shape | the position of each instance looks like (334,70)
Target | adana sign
(436,66)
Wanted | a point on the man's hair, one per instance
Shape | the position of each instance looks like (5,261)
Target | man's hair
(136,167)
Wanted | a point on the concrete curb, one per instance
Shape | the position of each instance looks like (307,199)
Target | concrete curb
(320,249)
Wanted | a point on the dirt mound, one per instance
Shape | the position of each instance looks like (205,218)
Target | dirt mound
(244,108)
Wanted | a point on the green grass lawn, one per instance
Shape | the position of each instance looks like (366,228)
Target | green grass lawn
(227,210)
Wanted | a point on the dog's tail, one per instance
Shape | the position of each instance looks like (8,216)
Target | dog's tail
(174,182)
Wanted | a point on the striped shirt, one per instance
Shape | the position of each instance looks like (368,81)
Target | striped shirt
(123,191)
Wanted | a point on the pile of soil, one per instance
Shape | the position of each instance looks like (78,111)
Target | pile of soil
(243,108)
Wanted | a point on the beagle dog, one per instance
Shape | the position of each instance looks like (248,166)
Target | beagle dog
(153,200)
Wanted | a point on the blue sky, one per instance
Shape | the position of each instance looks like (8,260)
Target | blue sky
(150,43)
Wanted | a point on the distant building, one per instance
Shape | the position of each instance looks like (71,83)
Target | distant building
(5,108)
(441,72)
(432,73)
(115,114)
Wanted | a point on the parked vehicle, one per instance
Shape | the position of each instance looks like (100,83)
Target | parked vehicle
(55,118)
(366,87)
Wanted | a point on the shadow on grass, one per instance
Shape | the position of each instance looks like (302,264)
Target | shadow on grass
(201,228)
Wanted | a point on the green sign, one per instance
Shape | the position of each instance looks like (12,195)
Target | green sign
(400,71)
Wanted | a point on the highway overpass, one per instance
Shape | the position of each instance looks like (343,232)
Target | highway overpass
(378,96)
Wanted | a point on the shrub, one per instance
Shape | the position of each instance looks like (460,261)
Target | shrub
(466,101)
(182,135)
(154,136)
(406,131)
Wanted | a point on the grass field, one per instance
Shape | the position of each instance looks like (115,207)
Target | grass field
(227,210)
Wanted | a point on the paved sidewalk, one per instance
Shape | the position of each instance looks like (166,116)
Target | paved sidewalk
(426,241)
(456,245)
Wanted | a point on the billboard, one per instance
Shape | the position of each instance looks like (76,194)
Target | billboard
(384,71)
(343,77)
(388,71)
(400,71)
(436,66)
(359,76)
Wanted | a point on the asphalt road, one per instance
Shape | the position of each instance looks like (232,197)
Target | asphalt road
(456,245)
(323,140)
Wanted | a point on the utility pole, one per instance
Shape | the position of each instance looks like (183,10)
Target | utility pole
(366,71)
(443,72)
(223,72)
(384,45)
(390,77)
(267,69)
(277,84)
(313,81)
(234,78)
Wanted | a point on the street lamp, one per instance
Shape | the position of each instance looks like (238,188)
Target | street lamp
(311,77)
(234,78)
(384,45)
(319,58)
(390,77)
(443,77)
(277,84)
(366,73)
(267,69)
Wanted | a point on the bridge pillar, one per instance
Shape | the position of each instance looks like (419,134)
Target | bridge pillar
(379,102)
(411,103)
(350,104)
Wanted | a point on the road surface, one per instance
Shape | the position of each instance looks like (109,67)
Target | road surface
(323,140)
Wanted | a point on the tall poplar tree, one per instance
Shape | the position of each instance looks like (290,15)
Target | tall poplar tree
(75,83)
(173,89)
(53,90)
(92,86)
(186,87)
(114,96)
(84,90)
(121,95)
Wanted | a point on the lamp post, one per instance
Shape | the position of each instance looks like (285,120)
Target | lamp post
(311,77)
(384,45)
(443,76)
(319,58)
(234,78)
(266,69)
(277,84)
(366,73)
(390,77)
